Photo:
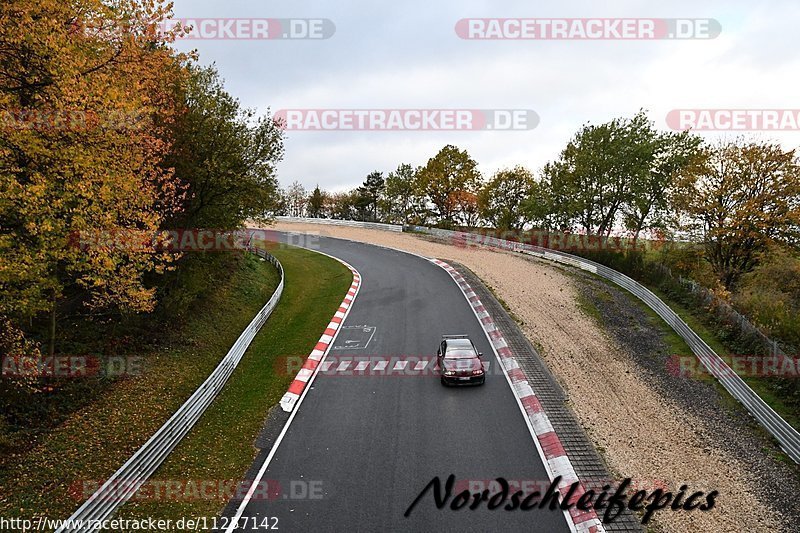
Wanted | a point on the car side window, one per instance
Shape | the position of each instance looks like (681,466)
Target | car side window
(442,348)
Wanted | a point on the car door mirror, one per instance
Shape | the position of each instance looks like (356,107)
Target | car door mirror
(480,354)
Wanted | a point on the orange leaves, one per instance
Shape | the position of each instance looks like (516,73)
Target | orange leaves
(85,94)
(743,198)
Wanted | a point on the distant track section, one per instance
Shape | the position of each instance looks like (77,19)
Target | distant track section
(350,223)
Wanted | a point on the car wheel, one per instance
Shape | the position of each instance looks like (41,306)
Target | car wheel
(443,381)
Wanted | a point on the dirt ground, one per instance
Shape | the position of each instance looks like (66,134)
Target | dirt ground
(641,433)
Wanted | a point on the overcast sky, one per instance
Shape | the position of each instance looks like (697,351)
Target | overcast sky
(389,55)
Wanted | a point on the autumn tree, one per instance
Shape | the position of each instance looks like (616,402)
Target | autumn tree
(770,295)
(502,200)
(86,96)
(341,205)
(446,175)
(744,197)
(467,212)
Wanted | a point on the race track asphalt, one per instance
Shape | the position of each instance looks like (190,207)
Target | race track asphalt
(361,448)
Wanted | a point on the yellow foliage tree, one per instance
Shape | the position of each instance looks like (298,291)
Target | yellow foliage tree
(86,92)
(742,198)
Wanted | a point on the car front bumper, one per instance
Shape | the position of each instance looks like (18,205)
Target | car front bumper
(464,380)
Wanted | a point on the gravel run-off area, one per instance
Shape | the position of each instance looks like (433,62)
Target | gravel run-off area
(651,426)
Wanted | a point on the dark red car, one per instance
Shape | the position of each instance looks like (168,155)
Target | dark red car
(459,362)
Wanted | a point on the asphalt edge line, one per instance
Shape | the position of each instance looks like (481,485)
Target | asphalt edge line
(294,398)
(551,451)
(590,522)
(312,362)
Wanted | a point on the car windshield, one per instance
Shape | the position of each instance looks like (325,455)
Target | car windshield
(460,353)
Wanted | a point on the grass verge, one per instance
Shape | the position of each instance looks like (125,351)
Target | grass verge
(759,385)
(219,450)
(677,346)
(49,478)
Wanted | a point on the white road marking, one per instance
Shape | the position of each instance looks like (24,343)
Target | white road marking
(295,408)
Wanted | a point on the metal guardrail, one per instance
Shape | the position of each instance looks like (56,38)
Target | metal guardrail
(349,223)
(124,483)
(784,433)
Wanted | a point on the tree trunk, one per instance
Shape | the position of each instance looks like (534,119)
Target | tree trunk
(52,347)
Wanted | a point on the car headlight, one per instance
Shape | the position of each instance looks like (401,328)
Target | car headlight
(477,372)
(449,372)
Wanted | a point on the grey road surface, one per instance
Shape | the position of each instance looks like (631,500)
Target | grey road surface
(361,448)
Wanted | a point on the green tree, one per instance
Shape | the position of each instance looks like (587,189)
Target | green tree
(502,200)
(370,194)
(362,204)
(546,207)
(225,155)
(447,174)
(591,181)
(401,204)
(317,203)
(669,155)
(281,207)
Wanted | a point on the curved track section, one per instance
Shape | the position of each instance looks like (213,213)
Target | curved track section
(362,446)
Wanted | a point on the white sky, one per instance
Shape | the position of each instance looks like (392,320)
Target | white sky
(407,55)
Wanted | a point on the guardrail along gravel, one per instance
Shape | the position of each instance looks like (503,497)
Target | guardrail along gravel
(788,438)
(124,483)
(784,433)
(336,222)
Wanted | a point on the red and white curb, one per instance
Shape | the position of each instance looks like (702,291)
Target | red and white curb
(323,346)
(547,442)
